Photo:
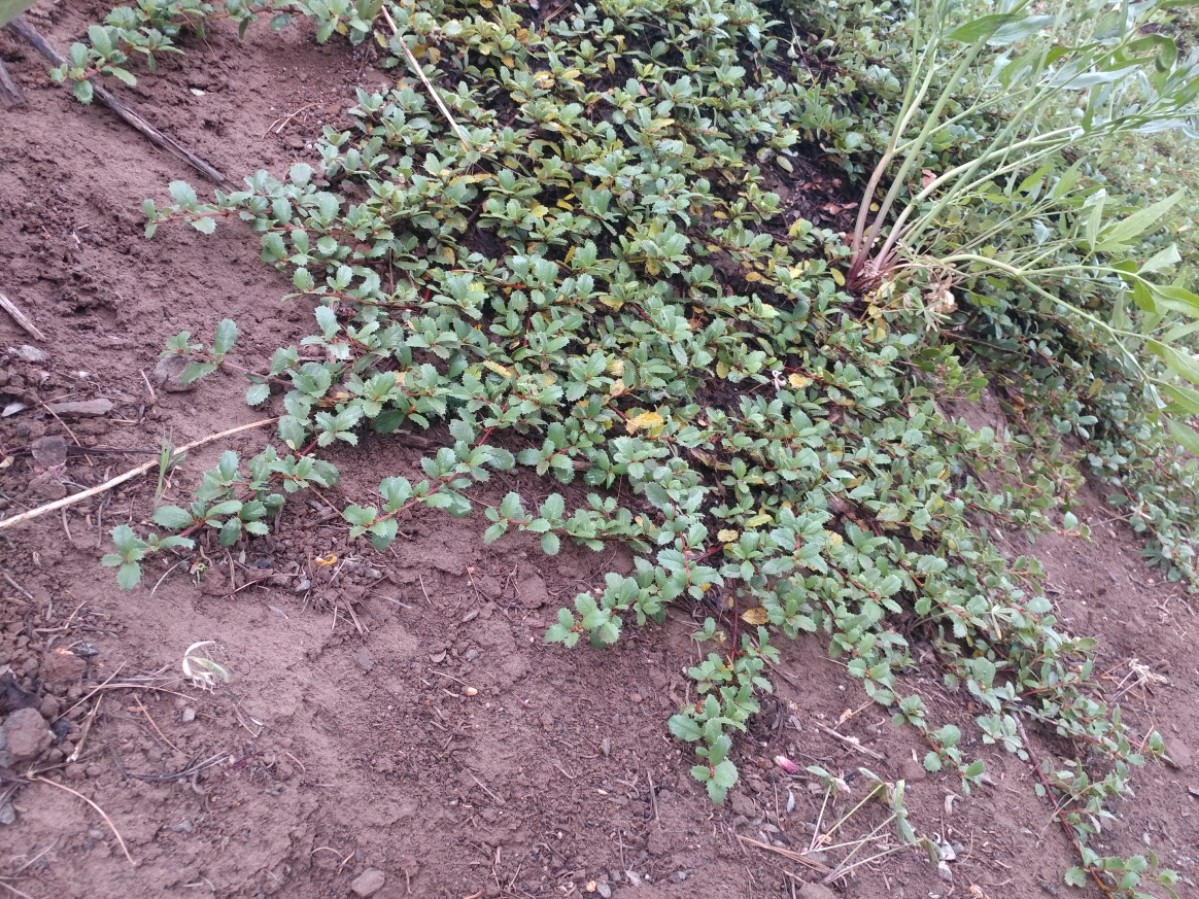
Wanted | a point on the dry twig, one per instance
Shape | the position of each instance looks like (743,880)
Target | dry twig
(121,479)
(107,820)
(22,27)
(416,67)
(20,317)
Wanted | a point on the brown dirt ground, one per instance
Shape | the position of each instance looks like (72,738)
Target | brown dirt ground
(347,740)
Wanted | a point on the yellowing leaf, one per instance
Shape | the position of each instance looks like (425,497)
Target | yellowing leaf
(834,539)
(645,421)
(501,370)
(722,369)
(753,277)
(727,536)
(755,617)
(326,561)
(758,520)
(615,368)
(798,381)
(837,276)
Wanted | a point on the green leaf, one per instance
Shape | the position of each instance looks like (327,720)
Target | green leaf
(172,517)
(1076,877)
(1116,236)
(300,174)
(1177,299)
(725,775)
(221,509)
(230,531)
(1184,435)
(998,28)
(100,39)
(83,91)
(205,224)
(196,371)
(129,575)
(550,544)
(122,75)
(258,393)
(226,336)
(1180,363)
(684,727)
(182,193)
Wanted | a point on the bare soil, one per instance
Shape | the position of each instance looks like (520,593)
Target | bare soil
(394,724)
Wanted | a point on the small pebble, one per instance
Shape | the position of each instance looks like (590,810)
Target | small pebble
(32,354)
(188,715)
(368,882)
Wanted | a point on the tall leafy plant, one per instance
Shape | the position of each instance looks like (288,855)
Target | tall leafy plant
(1064,82)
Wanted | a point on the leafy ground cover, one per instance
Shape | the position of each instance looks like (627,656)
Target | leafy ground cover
(592,261)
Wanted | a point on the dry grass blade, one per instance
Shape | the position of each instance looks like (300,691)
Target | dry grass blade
(37,778)
(791,854)
(416,67)
(12,889)
(122,478)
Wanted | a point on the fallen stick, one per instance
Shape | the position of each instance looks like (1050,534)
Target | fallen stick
(20,317)
(122,478)
(22,27)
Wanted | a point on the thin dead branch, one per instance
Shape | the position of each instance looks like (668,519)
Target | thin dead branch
(21,26)
(416,67)
(37,778)
(122,478)
(20,317)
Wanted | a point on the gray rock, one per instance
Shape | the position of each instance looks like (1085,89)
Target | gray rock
(86,407)
(168,371)
(368,882)
(26,735)
(1179,754)
(31,354)
(816,891)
